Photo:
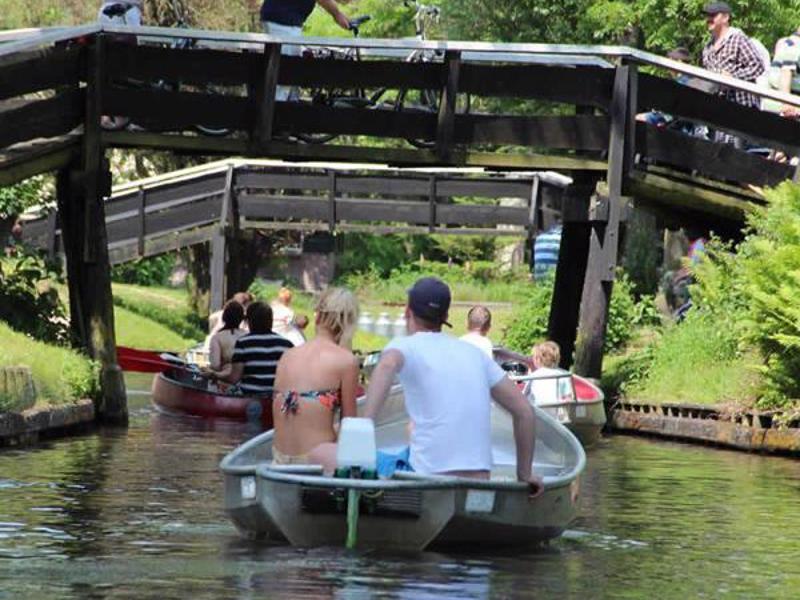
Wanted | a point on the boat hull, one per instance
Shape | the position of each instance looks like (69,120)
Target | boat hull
(174,393)
(409,511)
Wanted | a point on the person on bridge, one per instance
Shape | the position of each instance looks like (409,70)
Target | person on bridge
(285,18)
(730,52)
(448,388)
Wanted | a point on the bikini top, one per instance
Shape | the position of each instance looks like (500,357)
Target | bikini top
(330,399)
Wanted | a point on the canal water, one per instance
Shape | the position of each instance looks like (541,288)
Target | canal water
(137,514)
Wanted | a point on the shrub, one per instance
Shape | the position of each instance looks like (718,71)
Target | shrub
(154,270)
(28,302)
(624,315)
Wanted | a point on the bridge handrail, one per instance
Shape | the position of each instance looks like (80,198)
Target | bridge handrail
(59,34)
(608,52)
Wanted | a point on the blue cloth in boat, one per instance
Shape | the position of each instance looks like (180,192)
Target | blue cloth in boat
(387,463)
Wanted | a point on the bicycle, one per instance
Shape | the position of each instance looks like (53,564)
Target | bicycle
(181,22)
(424,100)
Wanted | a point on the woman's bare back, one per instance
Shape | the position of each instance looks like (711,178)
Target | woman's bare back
(317,366)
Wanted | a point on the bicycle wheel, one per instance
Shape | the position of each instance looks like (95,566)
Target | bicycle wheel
(211,130)
(427,101)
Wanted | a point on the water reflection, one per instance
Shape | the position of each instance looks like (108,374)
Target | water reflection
(137,513)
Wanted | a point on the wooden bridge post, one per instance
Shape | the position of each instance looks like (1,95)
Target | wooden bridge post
(605,228)
(445,124)
(266,82)
(220,247)
(571,270)
(81,188)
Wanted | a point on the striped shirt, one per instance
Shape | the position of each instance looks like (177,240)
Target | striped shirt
(260,353)
(545,251)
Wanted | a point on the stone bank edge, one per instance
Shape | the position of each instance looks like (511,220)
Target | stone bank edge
(750,431)
(28,426)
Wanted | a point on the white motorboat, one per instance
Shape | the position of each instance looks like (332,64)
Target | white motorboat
(409,511)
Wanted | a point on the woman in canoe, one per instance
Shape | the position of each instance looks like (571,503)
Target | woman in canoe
(222,343)
(313,382)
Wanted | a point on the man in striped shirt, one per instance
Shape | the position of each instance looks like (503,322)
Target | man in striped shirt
(256,354)
(545,251)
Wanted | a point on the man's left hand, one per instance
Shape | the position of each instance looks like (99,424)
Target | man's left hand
(535,486)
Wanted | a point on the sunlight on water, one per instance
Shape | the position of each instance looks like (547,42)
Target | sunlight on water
(138,514)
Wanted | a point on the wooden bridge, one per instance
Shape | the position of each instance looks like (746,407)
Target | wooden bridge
(217,202)
(54,88)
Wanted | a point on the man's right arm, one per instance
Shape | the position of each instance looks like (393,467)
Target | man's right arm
(333,10)
(506,393)
(381,381)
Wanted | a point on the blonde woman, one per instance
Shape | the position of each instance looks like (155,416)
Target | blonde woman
(313,382)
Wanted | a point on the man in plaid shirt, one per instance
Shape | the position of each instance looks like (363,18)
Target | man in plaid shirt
(730,52)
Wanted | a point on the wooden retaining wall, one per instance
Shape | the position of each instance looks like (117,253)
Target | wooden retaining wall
(749,430)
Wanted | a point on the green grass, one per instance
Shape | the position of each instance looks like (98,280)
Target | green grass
(141,332)
(60,374)
(693,362)
(168,307)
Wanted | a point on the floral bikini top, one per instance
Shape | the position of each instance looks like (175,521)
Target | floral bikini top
(330,399)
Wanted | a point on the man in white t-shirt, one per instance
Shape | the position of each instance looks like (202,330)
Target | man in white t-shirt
(479,322)
(448,388)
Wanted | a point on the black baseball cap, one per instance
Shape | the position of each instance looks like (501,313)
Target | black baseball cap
(429,299)
(713,8)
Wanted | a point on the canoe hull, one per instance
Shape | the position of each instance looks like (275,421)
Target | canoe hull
(173,394)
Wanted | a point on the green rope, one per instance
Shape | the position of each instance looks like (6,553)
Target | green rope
(352,518)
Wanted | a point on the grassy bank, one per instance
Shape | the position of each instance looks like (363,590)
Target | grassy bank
(60,374)
(693,362)
(165,306)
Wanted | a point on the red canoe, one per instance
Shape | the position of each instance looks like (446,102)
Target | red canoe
(141,361)
(175,391)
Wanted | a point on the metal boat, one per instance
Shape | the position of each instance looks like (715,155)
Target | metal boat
(572,400)
(181,391)
(575,402)
(408,511)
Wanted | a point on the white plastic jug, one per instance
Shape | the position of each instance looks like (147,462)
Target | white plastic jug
(399,328)
(365,322)
(383,326)
(356,446)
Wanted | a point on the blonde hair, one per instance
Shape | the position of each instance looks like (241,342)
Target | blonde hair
(547,354)
(337,311)
(285,295)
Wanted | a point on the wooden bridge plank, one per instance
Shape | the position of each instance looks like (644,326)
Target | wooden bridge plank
(675,99)
(32,158)
(197,66)
(31,119)
(46,69)
(333,152)
(590,86)
(361,74)
(165,110)
(579,132)
(265,206)
(464,214)
(721,161)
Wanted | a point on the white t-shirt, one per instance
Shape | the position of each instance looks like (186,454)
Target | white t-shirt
(447,387)
(282,318)
(548,388)
(480,341)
